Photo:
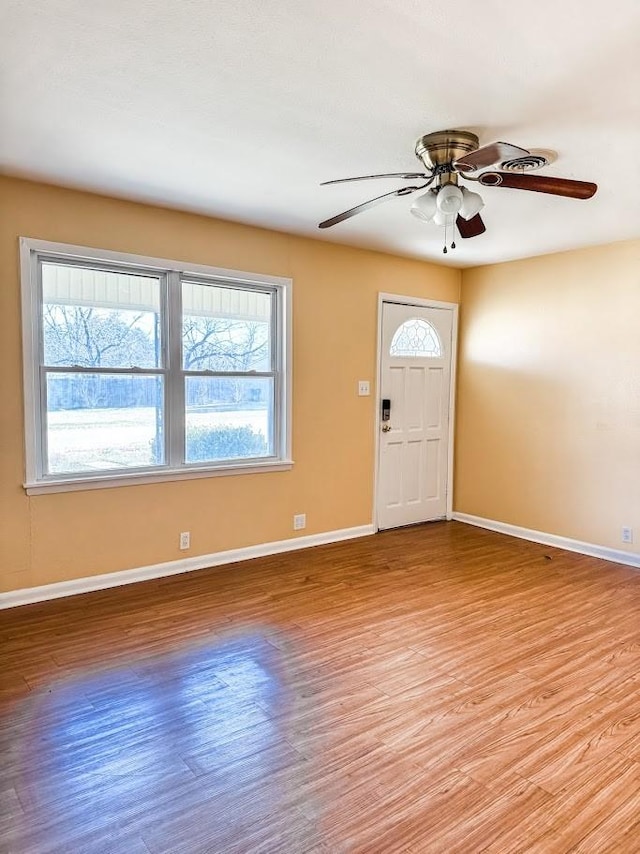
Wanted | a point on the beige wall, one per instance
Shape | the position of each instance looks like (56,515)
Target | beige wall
(57,537)
(548,431)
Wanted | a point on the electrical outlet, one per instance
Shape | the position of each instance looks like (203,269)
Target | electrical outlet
(627,535)
(185,540)
(299,521)
(364,388)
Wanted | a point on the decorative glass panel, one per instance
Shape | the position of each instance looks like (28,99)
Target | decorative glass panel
(416,339)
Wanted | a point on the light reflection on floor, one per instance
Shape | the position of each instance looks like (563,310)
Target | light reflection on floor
(205,725)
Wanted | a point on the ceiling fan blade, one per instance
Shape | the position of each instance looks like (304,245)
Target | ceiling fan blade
(539,184)
(487,155)
(412,176)
(334,220)
(470,227)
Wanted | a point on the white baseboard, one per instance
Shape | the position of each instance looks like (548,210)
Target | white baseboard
(59,589)
(603,552)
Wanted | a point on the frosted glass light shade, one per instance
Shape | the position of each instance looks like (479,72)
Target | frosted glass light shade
(444,219)
(424,207)
(449,199)
(471,204)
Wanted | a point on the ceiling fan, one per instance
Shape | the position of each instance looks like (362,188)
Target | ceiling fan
(449,155)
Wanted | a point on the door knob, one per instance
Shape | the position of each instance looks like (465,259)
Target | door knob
(386,428)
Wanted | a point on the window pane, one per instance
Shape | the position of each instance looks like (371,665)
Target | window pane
(415,339)
(97,422)
(228,418)
(100,319)
(225,329)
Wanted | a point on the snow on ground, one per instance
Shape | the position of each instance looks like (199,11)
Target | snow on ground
(94,439)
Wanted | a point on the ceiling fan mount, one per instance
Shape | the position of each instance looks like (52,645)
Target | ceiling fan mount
(444,147)
(448,155)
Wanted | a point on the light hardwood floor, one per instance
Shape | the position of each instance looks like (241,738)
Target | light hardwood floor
(436,689)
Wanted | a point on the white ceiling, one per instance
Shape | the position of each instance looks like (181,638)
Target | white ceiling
(239,109)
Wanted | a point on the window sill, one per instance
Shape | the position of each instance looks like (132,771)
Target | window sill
(115,480)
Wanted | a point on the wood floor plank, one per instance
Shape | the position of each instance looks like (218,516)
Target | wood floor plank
(438,689)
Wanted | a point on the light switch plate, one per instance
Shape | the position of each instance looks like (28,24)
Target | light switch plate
(363,388)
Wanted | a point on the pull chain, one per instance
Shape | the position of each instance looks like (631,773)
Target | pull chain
(453,241)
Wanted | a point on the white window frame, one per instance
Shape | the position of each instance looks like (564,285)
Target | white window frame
(171,272)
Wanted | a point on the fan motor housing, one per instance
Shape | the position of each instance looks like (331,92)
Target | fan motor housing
(445,146)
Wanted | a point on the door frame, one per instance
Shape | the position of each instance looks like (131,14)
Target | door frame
(453,307)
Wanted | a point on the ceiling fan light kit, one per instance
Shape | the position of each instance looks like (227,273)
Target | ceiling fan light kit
(452,154)
(449,199)
(472,204)
(425,206)
(441,218)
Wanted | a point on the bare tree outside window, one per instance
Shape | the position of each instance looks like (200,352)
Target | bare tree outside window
(98,338)
(82,336)
(140,367)
(220,344)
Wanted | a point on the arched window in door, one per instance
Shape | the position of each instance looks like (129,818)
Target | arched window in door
(416,339)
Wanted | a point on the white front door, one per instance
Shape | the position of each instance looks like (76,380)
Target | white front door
(415,373)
